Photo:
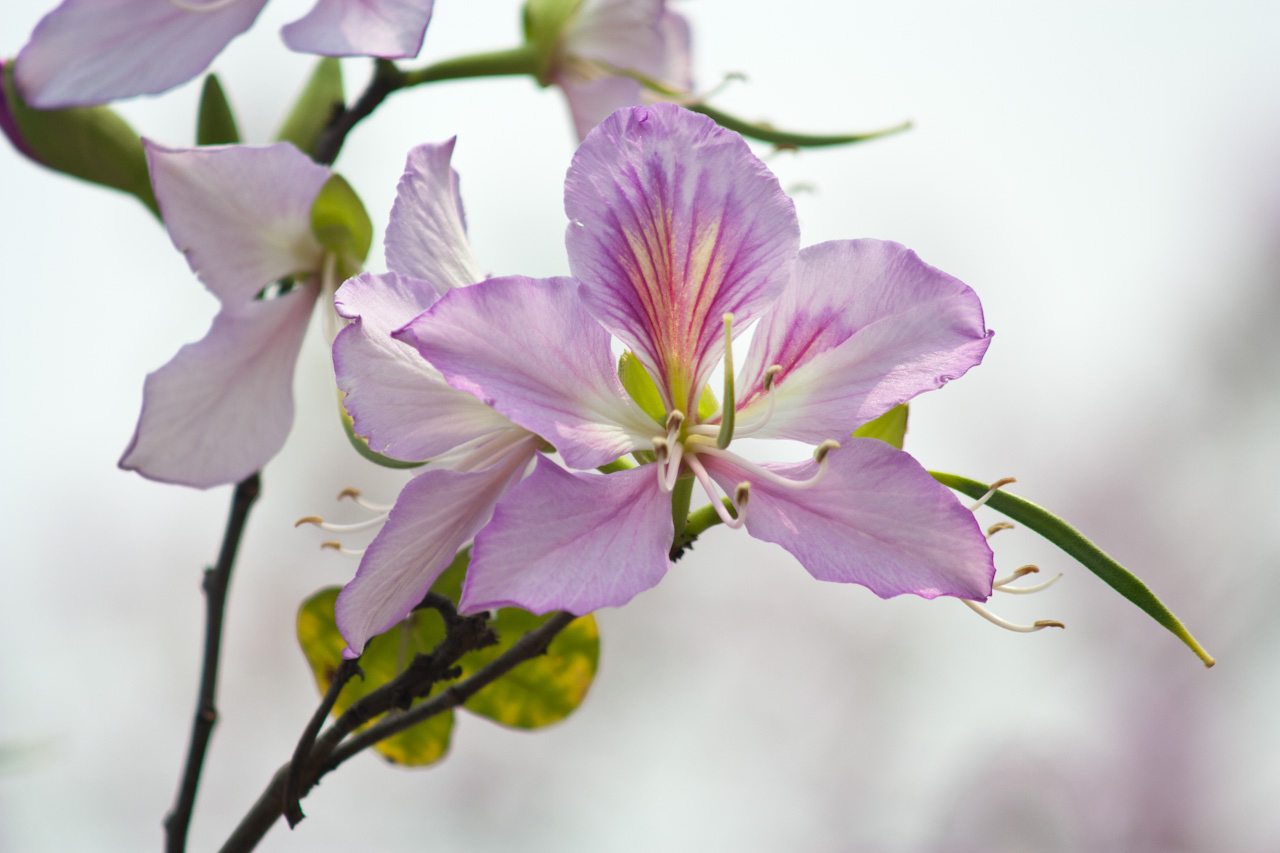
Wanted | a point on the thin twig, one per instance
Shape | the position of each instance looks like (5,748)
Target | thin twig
(269,806)
(292,810)
(387,78)
(216,582)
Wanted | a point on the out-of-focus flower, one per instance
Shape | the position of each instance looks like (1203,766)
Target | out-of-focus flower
(94,51)
(242,216)
(405,409)
(595,51)
(679,237)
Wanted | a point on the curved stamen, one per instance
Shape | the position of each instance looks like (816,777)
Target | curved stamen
(673,467)
(317,521)
(819,454)
(1017,573)
(1024,590)
(1006,624)
(771,390)
(710,489)
(997,527)
(661,453)
(355,495)
(346,552)
(995,487)
(201,6)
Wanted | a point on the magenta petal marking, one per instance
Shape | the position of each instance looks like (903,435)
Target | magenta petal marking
(241,214)
(877,519)
(391,29)
(674,222)
(530,350)
(93,51)
(222,407)
(436,513)
(398,401)
(862,326)
(575,542)
(427,235)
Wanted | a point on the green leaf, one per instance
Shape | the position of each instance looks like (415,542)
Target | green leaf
(320,100)
(215,123)
(386,656)
(361,444)
(1090,556)
(341,224)
(545,689)
(890,427)
(641,387)
(90,143)
(708,405)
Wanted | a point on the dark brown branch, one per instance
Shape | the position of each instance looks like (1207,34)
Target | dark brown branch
(292,810)
(216,582)
(326,756)
(387,78)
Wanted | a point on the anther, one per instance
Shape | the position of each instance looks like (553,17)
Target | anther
(997,527)
(346,552)
(310,519)
(1017,573)
(771,375)
(354,494)
(820,452)
(995,487)
(741,495)
(674,420)
(1006,624)
(340,528)
(661,449)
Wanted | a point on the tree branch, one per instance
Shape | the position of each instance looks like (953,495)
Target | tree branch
(387,78)
(329,752)
(216,582)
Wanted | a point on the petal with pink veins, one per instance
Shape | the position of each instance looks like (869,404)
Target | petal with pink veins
(863,326)
(575,542)
(222,407)
(675,222)
(876,518)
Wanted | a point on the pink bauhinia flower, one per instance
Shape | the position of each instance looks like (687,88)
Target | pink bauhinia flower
(94,51)
(680,237)
(223,406)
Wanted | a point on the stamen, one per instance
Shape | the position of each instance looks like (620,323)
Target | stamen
(346,552)
(354,494)
(661,449)
(674,420)
(201,7)
(1017,573)
(1006,624)
(1024,590)
(710,489)
(770,388)
(997,527)
(768,476)
(820,452)
(673,467)
(741,495)
(729,403)
(340,528)
(995,487)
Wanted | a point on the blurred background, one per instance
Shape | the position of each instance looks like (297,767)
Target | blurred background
(1104,175)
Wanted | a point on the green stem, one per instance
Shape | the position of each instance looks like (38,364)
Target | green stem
(1090,556)
(700,521)
(786,139)
(680,496)
(517,60)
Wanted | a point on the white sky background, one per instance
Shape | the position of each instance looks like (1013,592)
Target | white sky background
(1103,174)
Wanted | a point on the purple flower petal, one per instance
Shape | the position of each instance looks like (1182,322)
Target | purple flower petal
(93,51)
(877,519)
(863,326)
(391,29)
(674,223)
(399,402)
(241,215)
(576,542)
(591,101)
(529,349)
(222,407)
(427,235)
(436,513)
